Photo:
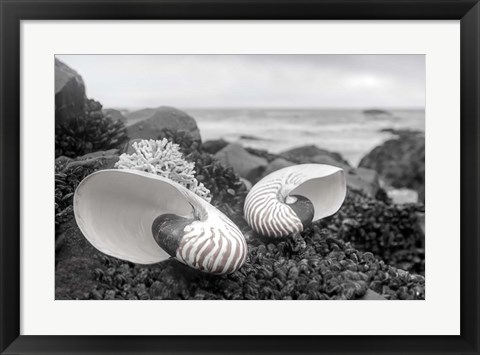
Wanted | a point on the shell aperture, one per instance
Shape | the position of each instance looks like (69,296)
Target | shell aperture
(302,207)
(145,218)
(168,230)
(288,200)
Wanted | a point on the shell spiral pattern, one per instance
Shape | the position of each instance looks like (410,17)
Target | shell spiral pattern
(211,249)
(265,210)
(289,199)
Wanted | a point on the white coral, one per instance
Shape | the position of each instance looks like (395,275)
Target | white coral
(163,158)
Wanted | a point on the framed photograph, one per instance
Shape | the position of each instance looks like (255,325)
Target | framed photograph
(240,177)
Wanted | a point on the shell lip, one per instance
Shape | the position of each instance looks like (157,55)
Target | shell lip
(333,188)
(115,210)
(150,254)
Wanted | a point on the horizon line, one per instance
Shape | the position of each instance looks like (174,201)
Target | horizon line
(137,108)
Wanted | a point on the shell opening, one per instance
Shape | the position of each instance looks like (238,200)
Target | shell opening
(115,210)
(168,230)
(326,193)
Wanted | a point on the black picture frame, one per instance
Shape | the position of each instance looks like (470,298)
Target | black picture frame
(14,11)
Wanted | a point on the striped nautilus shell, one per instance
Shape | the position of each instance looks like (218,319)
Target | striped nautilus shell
(288,200)
(145,218)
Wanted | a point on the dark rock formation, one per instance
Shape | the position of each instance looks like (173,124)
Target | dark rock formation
(243,163)
(140,115)
(69,93)
(400,162)
(313,154)
(364,180)
(376,112)
(80,125)
(115,115)
(277,164)
(161,119)
(214,146)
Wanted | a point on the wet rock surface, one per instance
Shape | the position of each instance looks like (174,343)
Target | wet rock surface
(69,93)
(246,165)
(164,118)
(313,154)
(81,126)
(400,161)
(214,146)
(115,115)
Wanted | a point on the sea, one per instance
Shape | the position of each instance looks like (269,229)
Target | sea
(352,133)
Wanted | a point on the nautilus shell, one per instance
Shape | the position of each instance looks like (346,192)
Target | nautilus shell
(145,218)
(288,200)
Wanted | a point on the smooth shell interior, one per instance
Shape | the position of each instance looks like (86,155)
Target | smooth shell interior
(115,210)
(327,191)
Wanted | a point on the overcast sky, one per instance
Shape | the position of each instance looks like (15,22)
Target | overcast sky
(330,81)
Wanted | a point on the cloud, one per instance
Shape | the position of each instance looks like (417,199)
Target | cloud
(253,80)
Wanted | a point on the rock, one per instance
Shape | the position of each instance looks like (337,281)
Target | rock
(313,154)
(377,113)
(277,164)
(364,180)
(69,93)
(400,162)
(140,115)
(243,163)
(115,115)
(214,146)
(95,160)
(164,118)
(403,195)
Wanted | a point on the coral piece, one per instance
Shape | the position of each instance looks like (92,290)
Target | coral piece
(163,158)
